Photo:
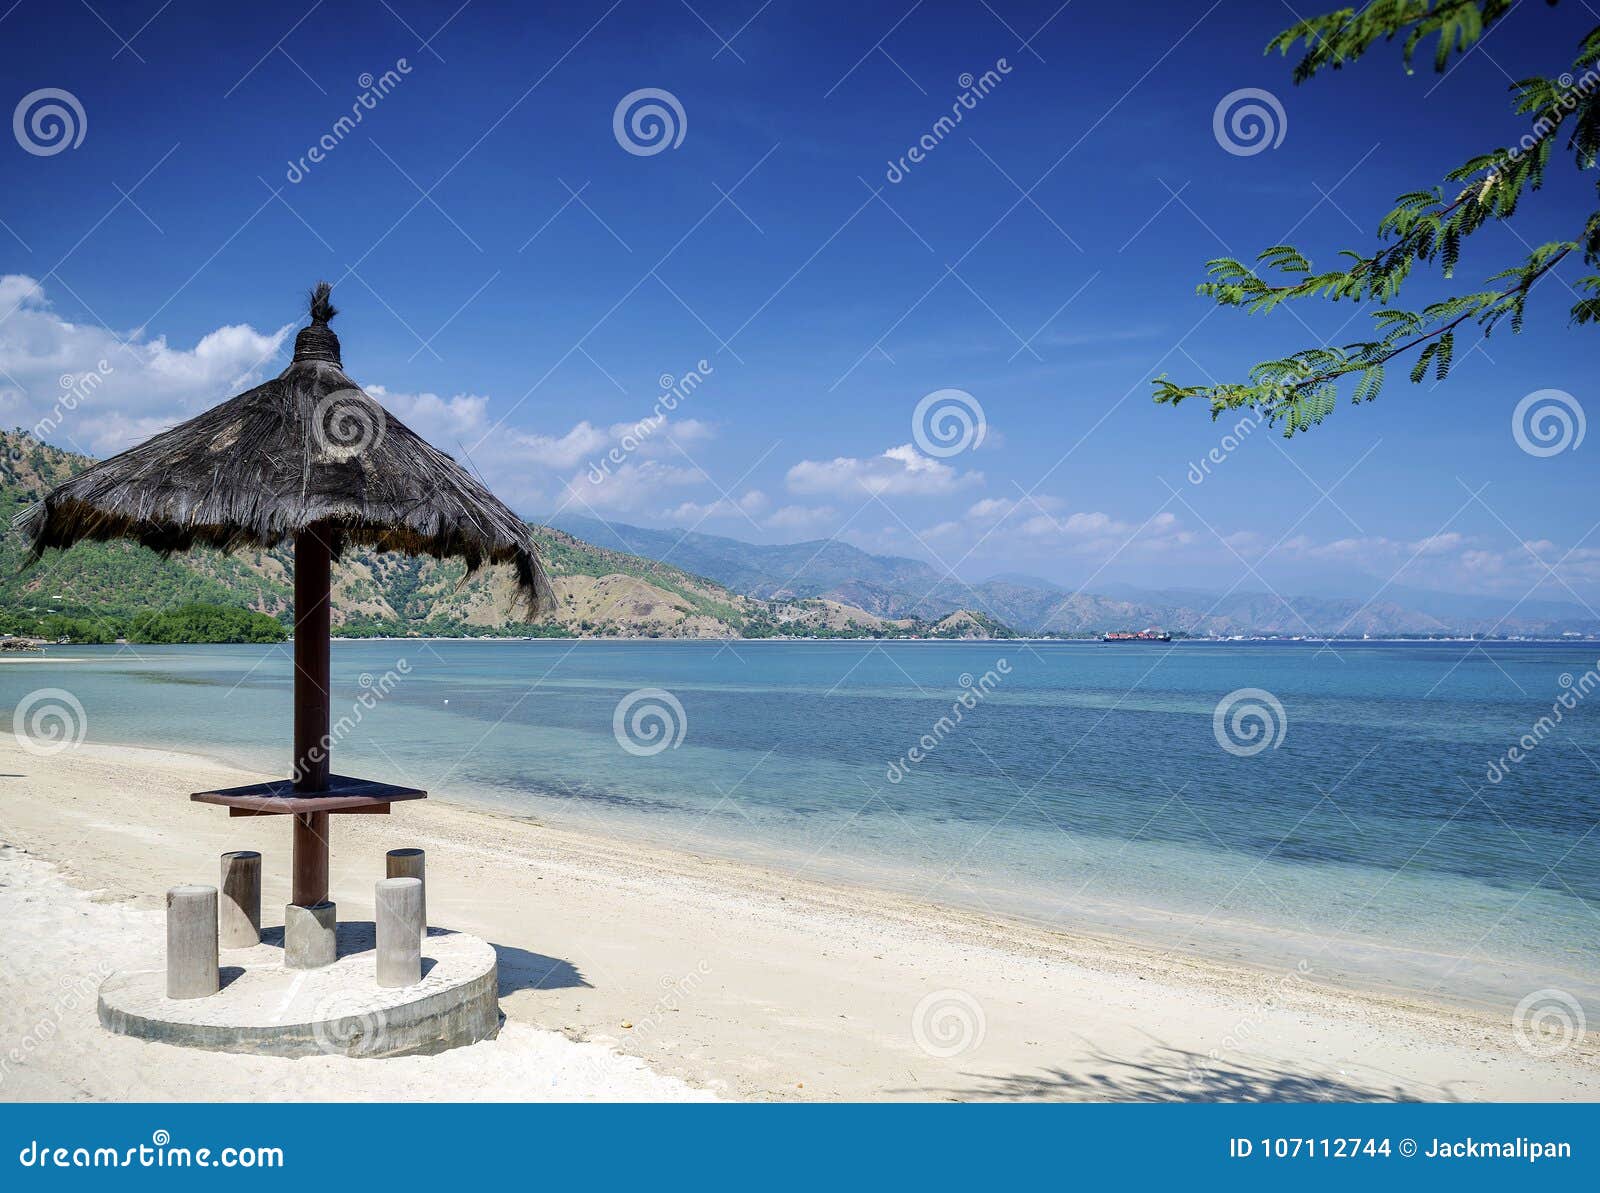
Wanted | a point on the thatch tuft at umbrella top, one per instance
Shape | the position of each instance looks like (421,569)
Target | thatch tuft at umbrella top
(308,448)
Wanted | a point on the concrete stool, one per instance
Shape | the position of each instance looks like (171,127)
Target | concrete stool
(239,923)
(409,863)
(398,903)
(192,942)
(310,935)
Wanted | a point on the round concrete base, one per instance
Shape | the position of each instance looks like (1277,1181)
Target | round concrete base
(266,1008)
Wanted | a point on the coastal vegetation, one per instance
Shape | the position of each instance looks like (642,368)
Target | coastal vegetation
(185,624)
(1428,227)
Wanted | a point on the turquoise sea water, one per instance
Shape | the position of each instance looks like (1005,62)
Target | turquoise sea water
(1083,785)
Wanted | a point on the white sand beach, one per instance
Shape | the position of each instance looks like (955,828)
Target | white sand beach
(637,973)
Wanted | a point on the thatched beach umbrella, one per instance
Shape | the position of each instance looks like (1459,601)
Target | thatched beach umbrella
(306,458)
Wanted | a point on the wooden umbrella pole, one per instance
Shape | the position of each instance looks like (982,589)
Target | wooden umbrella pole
(313,565)
(310,858)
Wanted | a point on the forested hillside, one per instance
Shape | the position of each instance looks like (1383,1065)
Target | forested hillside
(101,591)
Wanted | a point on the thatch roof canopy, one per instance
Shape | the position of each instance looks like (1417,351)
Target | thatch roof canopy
(306,448)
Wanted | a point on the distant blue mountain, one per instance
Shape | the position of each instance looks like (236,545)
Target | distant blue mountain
(894,586)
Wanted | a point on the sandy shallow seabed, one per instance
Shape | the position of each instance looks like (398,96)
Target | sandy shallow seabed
(734,981)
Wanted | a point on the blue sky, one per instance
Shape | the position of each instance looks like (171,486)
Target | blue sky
(515,284)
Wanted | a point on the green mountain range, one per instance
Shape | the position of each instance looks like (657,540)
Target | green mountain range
(101,591)
(615,580)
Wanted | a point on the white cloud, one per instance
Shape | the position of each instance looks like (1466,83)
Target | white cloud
(1376,551)
(466,420)
(635,485)
(745,508)
(1438,544)
(624,467)
(438,420)
(1032,523)
(666,437)
(558,453)
(93,389)
(804,521)
(899,472)
(1452,560)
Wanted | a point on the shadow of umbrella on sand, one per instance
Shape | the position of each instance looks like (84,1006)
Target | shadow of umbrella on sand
(306,458)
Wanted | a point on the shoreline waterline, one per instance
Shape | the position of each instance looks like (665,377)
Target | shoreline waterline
(1083,791)
(1157,934)
(819,993)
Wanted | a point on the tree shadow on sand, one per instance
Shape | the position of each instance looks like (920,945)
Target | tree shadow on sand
(1165,1074)
(522,970)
